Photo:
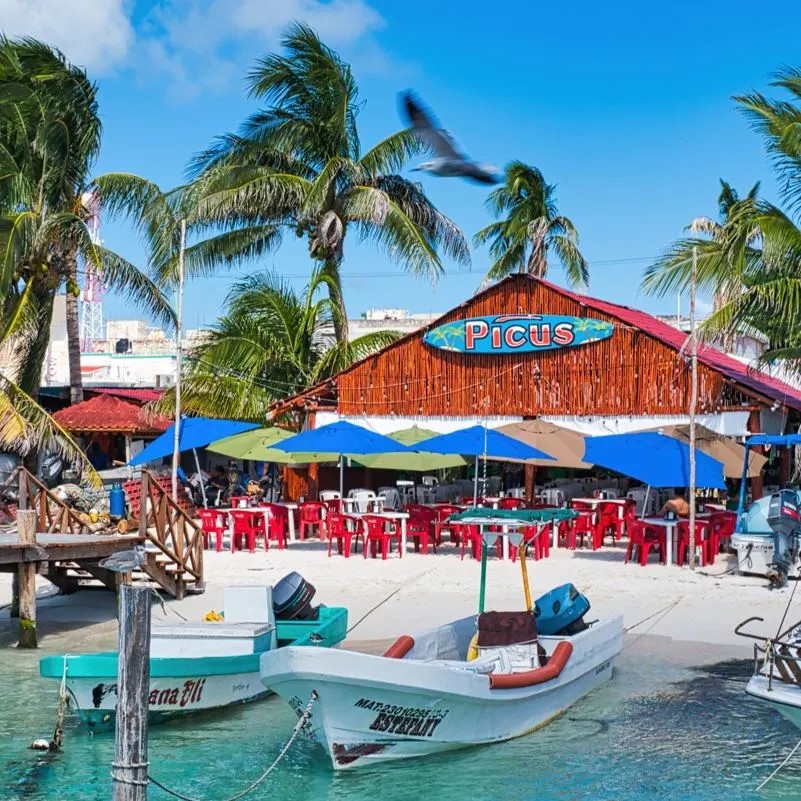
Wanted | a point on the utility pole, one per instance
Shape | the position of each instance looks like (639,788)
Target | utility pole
(693,403)
(176,453)
(129,771)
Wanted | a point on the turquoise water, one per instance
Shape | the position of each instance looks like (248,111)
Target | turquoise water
(654,732)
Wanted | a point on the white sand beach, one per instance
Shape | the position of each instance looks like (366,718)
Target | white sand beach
(388,598)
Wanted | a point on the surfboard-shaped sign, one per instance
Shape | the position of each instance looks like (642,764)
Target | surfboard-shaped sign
(517,333)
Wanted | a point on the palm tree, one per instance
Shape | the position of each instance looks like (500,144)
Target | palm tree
(49,141)
(531,226)
(297,163)
(729,256)
(270,343)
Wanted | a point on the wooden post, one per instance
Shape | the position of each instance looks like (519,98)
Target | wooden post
(23,488)
(179,332)
(757,482)
(530,476)
(26,574)
(14,609)
(129,773)
(144,494)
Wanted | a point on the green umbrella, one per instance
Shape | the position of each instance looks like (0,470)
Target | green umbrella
(418,462)
(256,445)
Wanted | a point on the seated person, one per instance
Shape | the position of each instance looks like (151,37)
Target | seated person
(218,478)
(678,504)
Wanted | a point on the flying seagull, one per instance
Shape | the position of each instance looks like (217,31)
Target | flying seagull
(449,161)
(124,561)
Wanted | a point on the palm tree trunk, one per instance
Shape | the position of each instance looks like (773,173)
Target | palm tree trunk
(331,268)
(73,331)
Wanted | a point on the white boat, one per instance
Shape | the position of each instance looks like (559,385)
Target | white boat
(777,670)
(426,695)
(197,667)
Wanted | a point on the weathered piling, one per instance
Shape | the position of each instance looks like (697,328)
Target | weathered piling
(129,772)
(26,579)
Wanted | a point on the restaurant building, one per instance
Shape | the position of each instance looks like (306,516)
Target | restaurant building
(526,348)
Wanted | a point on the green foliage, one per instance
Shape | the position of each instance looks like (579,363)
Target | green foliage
(270,343)
(528,226)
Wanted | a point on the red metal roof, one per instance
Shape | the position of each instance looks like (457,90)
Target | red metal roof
(142,395)
(107,413)
(728,366)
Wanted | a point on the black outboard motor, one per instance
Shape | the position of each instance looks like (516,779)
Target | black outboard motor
(292,597)
(784,517)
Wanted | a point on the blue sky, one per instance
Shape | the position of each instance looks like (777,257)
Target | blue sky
(625,106)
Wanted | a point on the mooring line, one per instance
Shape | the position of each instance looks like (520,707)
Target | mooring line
(295,732)
(786,760)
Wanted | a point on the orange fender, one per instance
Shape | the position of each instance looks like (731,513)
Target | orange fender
(510,681)
(400,647)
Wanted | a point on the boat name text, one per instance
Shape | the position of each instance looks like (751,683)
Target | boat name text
(410,721)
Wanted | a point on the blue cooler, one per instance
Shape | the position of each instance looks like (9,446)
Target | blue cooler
(560,609)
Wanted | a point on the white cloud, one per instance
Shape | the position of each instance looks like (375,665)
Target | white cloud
(96,34)
(203,45)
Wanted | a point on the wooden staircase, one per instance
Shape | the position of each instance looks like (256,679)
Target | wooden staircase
(173,539)
(176,562)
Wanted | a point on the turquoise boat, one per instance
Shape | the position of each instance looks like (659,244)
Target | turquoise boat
(197,667)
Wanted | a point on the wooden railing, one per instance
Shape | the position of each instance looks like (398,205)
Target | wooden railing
(175,534)
(53,516)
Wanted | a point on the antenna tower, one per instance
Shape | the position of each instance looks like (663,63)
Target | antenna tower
(91,330)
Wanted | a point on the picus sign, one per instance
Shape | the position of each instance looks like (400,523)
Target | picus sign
(517,333)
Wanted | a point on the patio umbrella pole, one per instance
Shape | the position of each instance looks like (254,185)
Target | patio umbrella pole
(341,475)
(200,477)
(645,502)
(693,404)
(482,588)
(475,484)
(741,497)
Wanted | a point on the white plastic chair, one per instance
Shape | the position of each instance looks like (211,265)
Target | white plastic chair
(362,498)
(553,497)
(329,495)
(391,497)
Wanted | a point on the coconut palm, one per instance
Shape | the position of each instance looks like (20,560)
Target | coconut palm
(528,225)
(298,163)
(270,343)
(729,255)
(49,140)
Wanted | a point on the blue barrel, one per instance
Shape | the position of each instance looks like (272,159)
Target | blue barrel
(116,500)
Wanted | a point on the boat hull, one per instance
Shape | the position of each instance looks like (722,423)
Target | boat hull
(169,697)
(784,698)
(186,685)
(370,709)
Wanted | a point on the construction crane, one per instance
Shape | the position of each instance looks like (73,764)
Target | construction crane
(91,329)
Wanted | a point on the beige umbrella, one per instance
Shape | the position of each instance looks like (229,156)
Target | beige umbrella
(566,446)
(724,449)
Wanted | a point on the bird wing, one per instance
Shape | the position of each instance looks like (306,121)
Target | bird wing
(425,123)
(480,174)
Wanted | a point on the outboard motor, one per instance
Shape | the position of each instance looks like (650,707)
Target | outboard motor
(292,598)
(784,518)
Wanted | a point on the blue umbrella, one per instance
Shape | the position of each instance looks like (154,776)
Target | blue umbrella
(195,432)
(653,458)
(480,441)
(343,438)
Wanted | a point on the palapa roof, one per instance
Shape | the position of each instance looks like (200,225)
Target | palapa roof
(754,382)
(107,413)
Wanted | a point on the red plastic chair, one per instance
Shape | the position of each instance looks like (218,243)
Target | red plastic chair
(344,529)
(334,505)
(470,537)
(629,513)
(538,537)
(442,513)
(420,527)
(277,523)
(213,522)
(702,527)
(512,504)
(467,500)
(585,525)
(721,526)
(375,533)
(312,518)
(247,525)
(643,538)
(609,524)
(241,501)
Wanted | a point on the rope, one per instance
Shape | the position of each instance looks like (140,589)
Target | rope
(786,760)
(302,720)
(63,698)
(391,595)
(662,613)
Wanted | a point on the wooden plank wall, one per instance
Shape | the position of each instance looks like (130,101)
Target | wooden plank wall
(628,374)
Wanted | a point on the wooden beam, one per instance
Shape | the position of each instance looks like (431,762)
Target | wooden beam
(26,572)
